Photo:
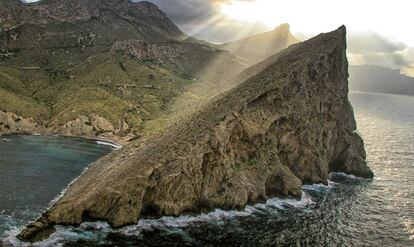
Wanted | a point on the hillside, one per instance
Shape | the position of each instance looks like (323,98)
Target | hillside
(97,68)
(370,78)
(288,125)
(257,48)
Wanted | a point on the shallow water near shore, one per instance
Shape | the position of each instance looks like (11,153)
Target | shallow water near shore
(348,212)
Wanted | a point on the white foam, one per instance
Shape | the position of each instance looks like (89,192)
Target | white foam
(109,143)
(93,231)
(183,221)
(358,133)
(350,176)
(305,201)
(331,184)
(10,238)
(271,205)
(96,231)
(316,187)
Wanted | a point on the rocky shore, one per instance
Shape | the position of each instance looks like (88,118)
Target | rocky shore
(11,123)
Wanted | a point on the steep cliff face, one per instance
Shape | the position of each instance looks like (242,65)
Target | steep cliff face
(290,124)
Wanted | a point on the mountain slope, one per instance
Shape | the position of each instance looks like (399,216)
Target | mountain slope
(141,20)
(256,48)
(131,58)
(290,124)
(369,78)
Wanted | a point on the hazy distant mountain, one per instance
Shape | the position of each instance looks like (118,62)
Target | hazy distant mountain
(370,78)
(256,48)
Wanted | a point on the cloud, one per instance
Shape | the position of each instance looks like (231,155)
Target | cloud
(392,60)
(185,11)
(362,42)
(203,19)
(408,65)
(376,50)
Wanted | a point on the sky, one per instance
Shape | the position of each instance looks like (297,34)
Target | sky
(379,31)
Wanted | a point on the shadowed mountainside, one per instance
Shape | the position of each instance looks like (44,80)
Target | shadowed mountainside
(289,124)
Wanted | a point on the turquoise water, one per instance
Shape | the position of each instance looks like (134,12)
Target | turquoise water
(35,169)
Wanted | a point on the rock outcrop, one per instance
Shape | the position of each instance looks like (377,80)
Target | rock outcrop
(12,123)
(85,126)
(289,124)
(92,126)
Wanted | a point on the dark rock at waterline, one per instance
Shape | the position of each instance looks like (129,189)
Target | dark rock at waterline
(290,123)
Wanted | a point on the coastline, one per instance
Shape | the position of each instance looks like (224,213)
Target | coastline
(115,141)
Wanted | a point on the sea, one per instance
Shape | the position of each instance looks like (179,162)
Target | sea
(348,211)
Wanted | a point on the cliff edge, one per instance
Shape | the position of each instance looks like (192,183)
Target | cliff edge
(289,124)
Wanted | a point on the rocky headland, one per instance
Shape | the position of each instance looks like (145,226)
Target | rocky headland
(289,123)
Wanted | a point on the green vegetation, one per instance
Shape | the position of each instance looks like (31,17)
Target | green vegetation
(89,100)
(59,69)
(106,85)
(11,102)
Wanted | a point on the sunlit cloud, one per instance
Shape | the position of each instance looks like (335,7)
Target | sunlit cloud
(392,19)
(371,48)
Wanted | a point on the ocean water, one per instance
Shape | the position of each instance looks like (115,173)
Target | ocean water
(349,211)
(35,169)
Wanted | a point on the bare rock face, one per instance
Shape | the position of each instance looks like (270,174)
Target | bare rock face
(12,123)
(85,126)
(144,51)
(15,13)
(81,24)
(287,125)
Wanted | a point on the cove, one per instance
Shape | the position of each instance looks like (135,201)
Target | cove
(34,170)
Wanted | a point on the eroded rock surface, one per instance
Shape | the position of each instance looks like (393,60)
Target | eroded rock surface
(289,124)
(12,123)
